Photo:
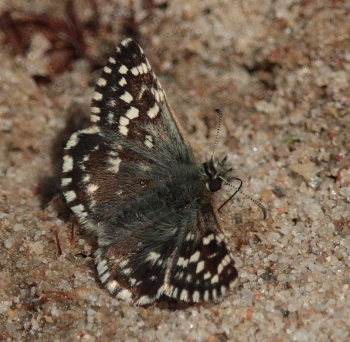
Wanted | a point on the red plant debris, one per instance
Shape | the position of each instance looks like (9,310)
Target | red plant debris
(66,37)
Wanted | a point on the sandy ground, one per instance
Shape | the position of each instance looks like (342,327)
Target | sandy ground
(280,71)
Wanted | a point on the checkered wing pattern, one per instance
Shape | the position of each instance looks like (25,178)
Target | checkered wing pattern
(204,269)
(131,179)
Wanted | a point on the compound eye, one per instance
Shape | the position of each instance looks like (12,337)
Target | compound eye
(214,184)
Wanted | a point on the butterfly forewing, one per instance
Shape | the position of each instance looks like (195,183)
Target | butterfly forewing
(129,100)
(132,134)
(132,180)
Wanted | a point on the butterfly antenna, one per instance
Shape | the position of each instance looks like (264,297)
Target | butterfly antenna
(218,127)
(261,206)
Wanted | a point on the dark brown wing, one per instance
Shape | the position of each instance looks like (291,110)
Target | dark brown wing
(204,268)
(131,179)
(133,140)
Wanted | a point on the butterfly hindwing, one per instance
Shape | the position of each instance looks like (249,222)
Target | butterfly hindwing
(204,269)
(134,269)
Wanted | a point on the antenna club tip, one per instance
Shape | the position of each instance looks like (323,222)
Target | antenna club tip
(219,111)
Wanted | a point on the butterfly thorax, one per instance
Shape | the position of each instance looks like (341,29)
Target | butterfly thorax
(183,188)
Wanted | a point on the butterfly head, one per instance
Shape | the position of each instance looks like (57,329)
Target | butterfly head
(214,171)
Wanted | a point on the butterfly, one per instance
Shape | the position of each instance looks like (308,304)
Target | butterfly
(131,179)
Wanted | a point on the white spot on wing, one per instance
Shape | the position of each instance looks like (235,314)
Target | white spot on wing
(195,257)
(67,163)
(66,181)
(156,95)
(223,289)
(207,275)
(153,256)
(70,196)
(104,277)
(91,130)
(123,121)
(73,141)
(95,110)
(110,117)
(219,237)
(142,90)
(215,279)
(214,293)
(92,188)
(112,60)
(153,111)
(189,237)
(123,69)
(126,271)
(92,204)
(144,300)
(141,50)
(123,263)
(179,275)
(184,295)
(126,41)
(86,178)
(208,239)
(94,118)
(144,68)
(182,262)
(148,65)
(160,291)
(102,267)
(225,261)
(196,296)
(107,70)
(112,286)
(112,102)
(97,256)
(101,82)
(200,267)
(160,89)
(115,164)
(79,210)
(125,295)
(132,113)
(126,97)
(123,130)
(97,96)
(174,292)
(134,71)
(122,82)
(149,141)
